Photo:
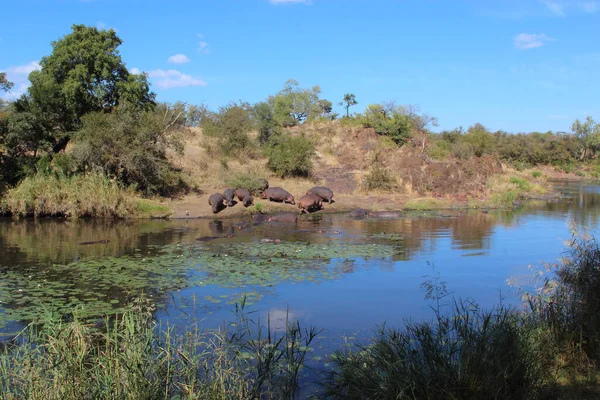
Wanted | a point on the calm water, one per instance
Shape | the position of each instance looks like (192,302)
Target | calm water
(339,274)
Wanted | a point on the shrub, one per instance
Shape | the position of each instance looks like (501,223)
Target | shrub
(230,126)
(390,123)
(131,146)
(378,178)
(536,174)
(290,155)
(246,180)
(463,150)
(521,183)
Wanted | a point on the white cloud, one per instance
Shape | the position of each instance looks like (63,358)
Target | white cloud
(135,71)
(560,7)
(589,7)
(277,2)
(202,45)
(103,26)
(525,41)
(172,78)
(178,59)
(18,75)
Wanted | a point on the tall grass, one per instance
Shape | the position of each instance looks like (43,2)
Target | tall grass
(130,357)
(89,195)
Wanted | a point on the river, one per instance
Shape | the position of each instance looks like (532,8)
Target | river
(342,275)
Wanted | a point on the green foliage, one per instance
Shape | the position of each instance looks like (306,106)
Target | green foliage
(468,354)
(130,146)
(392,123)
(348,101)
(521,183)
(129,357)
(378,178)
(265,118)
(294,105)
(290,155)
(5,84)
(480,139)
(89,195)
(588,133)
(84,73)
(230,126)
(246,180)
(536,174)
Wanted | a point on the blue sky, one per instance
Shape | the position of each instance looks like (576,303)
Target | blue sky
(514,65)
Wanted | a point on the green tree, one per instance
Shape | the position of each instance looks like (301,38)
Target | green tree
(84,74)
(387,122)
(231,126)
(265,119)
(290,155)
(480,139)
(5,84)
(588,133)
(294,105)
(348,101)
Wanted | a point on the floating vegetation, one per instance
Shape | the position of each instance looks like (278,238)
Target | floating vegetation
(100,286)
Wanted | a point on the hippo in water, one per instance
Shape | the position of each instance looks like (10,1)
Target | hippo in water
(216,201)
(323,192)
(385,214)
(278,194)
(358,213)
(244,196)
(284,217)
(309,203)
(229,194)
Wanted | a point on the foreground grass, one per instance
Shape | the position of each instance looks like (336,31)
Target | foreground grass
(90,195)
(549,351)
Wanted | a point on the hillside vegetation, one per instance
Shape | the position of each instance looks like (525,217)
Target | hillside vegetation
(90,116)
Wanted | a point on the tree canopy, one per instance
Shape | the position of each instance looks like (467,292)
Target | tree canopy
(5,84)
(84,74)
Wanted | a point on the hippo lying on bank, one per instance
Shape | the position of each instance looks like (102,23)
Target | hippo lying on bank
(385,214)
(284,217)
(309,203)
(229,194)
(216,201)
(324,193)
(278,194)
(358,213)
(244,196)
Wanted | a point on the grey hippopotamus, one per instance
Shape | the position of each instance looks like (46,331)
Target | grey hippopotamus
(244,196)
(278,194)
(385,214)
(229,194)
(324,193)
(309,203)
(216,201)
(284,217)
(358,213)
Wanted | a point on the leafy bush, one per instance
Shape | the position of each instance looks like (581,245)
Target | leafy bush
(390,123)
(246,180)
(230,126)
(536,174)
(85,195)
(378,178)
(131,146)
(521,183)
(463,150)
(290,155)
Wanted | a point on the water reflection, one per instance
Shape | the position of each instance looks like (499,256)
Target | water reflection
(476,251)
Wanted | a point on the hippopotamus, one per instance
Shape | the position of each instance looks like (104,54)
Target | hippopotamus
(278,194)
(358,213)
(284,217)
(244,196)
(309,203)
(229,194)
(263,185)
(216,201)
(385,214)
(323,192)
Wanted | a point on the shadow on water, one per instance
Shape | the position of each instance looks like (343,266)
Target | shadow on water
(331,270)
